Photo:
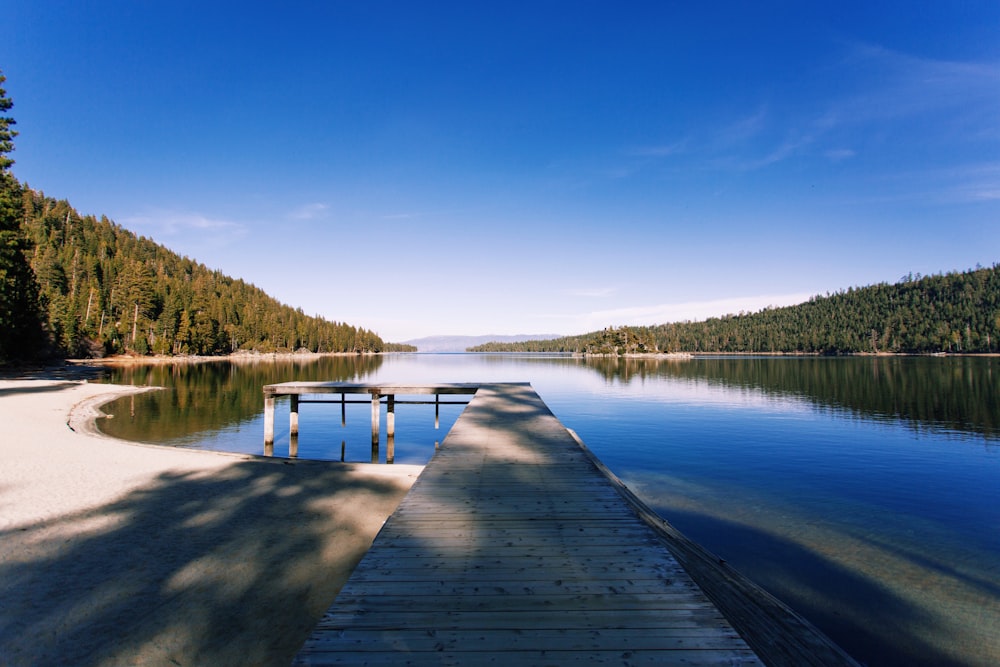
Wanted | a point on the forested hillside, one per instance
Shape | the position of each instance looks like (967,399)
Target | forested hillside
(954,312)
(75,285)
(107,291)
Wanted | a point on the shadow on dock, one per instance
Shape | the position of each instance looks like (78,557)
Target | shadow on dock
(517,545)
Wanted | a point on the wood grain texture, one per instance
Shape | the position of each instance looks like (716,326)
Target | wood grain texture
(513,547)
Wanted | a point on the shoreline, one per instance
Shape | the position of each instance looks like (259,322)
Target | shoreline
(251,358)
(113,552)
(236,357)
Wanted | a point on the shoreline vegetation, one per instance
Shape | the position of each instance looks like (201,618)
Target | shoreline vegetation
(308,357)
(696,355)
(235,357)
(956,312)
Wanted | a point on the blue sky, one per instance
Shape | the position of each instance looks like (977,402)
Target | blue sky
(522,167)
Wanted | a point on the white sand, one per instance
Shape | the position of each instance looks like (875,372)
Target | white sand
(114,553)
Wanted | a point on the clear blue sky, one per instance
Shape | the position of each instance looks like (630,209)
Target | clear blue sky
(423,168)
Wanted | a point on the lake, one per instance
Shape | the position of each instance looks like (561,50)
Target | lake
(863,492)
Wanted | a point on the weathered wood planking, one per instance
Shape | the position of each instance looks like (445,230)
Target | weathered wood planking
(514,548)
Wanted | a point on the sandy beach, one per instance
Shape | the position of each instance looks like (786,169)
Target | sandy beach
(114,553)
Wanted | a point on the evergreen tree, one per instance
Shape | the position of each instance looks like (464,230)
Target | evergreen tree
(108,291)
(21,333)
(954,312)
(7,134)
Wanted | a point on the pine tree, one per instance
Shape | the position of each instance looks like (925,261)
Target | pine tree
(6,133)
(21,332)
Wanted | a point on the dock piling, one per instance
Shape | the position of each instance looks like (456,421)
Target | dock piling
(376,406)
(390,428)
(269,420)
(517,545)
(296,390)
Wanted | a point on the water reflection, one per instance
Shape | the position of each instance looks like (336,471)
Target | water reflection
(207,397)
(955,394)
(835,483)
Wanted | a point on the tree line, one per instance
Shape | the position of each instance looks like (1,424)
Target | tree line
(73,285)
(957,312)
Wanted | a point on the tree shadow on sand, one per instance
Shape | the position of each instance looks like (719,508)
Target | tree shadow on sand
(229,567)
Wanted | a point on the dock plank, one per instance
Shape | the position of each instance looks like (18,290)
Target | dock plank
(514,548)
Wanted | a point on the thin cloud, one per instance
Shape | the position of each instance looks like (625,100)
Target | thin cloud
(309,211)
(692,310)
(749,143)
(978,183)
(839,154)
(964,184)
(593,293)
(782,152)
(658,150)
(964,96)
(908,85)
(744,129)
(173,223)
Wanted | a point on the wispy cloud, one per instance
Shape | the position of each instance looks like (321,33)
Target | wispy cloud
(976,183)
(163,223)
(659,150)
(960,98)
(961,184)
(759,140)
(839,154)
(691,310)
(904,85)
(309,211)
(791,147)
(593,293)
(743,129)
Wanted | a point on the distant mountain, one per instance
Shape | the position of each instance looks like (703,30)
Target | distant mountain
(461,343)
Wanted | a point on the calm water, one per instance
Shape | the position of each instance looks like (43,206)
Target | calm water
(863,492)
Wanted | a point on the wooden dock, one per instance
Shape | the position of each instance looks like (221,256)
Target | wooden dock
(515,547)
(295,391)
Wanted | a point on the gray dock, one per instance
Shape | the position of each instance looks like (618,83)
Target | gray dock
(515,546)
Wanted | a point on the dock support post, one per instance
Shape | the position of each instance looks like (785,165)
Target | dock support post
(269,420)
(293,415)
(343,410)
(390,416)
(437,411)
(376,397)
(390,428)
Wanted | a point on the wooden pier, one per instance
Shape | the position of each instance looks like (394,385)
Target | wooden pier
(516,547)
(295,391)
